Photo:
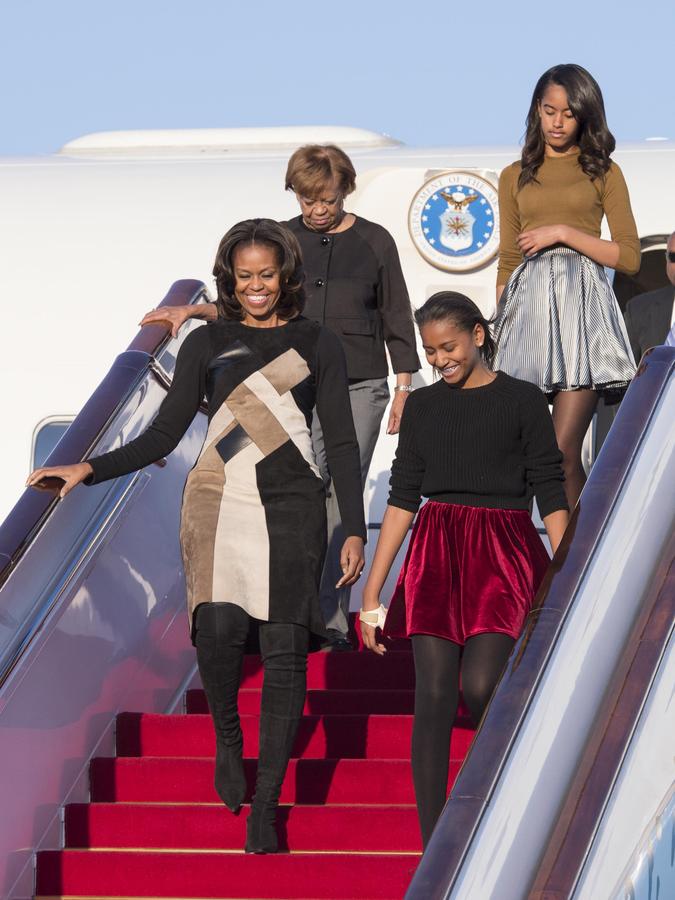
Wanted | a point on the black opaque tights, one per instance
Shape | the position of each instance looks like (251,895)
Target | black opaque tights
(438,664)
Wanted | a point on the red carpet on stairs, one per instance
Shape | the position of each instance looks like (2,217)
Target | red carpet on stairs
(156,828)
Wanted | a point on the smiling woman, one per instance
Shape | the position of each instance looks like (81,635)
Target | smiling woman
(253,521)
(257,274)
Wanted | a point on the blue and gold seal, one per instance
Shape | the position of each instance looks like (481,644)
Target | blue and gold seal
(454,221)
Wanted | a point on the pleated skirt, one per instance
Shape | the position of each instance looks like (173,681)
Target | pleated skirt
(560,327)
(468,570)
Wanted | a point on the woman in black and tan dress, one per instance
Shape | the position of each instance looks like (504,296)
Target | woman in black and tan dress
(253,518)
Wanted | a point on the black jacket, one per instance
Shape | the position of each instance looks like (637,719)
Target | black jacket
(648,319)
(355,287)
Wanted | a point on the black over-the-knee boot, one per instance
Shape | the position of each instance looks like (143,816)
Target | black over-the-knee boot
(221,631)
(284,652)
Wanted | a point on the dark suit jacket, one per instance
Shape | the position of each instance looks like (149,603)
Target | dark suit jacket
(355,287)
(648,319)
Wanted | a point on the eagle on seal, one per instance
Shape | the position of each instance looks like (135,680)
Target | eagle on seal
(458,205)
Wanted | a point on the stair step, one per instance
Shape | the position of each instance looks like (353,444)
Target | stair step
(325,702)
(308,781)
(88,873)
(318,828)
(156,827)
(343,671)
(329,737)
(322,702)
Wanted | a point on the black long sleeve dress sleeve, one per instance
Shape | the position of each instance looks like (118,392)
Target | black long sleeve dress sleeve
(173,418)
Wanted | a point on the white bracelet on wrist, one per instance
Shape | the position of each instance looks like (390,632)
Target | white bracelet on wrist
(374,617)
(404,388)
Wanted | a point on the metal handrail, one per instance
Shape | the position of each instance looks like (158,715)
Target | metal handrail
(599,767)
(33,509)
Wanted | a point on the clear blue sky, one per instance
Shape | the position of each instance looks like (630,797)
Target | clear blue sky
(426,72)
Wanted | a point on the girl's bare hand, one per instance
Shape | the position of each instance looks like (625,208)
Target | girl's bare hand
(536,239)
(369,637)
(59,479)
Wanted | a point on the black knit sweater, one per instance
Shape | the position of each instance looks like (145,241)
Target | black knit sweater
(491,446)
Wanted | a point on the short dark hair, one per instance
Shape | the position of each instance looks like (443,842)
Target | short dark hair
(314,166)
(462,312)
(289,258)
(596,141)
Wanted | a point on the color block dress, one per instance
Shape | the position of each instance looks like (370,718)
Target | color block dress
(253,527)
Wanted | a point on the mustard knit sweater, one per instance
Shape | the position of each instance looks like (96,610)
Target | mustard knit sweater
(564,195)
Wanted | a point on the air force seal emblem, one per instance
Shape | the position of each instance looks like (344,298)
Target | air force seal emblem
(454,221)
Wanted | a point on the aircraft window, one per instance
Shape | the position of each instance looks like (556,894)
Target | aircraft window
(45,437)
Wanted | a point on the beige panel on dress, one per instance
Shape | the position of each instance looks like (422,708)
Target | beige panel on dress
(223,526)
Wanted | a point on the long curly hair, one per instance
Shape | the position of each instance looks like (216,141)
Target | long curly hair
(584,97)
(289,259)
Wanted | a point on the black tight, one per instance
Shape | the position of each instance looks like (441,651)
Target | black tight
(437,672)
(572,414)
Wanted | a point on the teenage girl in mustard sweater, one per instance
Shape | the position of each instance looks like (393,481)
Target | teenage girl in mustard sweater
(559,325)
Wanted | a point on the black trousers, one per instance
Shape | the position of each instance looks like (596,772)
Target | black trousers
(220,638)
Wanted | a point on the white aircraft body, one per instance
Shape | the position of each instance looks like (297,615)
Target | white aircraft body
(570,773)
(94,235)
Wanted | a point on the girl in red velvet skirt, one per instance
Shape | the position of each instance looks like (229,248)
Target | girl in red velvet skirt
(479,444)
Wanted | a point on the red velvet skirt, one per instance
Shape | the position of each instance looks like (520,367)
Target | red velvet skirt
(468,570)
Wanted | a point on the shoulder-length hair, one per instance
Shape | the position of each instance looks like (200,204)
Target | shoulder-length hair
(584,97)
(289,259)
(312,168)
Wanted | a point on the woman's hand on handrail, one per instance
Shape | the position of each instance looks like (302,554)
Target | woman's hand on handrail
(176,316)
(59,479)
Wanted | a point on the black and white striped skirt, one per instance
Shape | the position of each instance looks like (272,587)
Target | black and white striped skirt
(559,326)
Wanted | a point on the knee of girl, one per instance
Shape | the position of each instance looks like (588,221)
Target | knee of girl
(434,698)
(477,697)
(571,459)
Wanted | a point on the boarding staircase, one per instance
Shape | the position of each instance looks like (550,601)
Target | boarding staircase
(565,792)
(348,826)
